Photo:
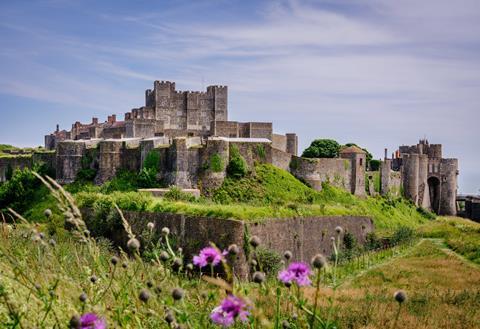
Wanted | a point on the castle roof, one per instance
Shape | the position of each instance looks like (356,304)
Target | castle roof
(352,149)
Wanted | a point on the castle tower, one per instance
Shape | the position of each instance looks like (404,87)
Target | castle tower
(410,168)
(358,158)
(292,143)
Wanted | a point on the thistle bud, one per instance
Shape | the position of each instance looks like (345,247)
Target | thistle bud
(165,231)
(144,295)
(177,294)
(114,260)
(233,249)
(133,245)
(83,297)
(254,241)
(150,226)
(288,255)
(318,261)
(47,213)
(258,277)
(339,230)
(400,296)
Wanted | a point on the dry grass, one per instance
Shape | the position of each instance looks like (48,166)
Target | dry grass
(443,291)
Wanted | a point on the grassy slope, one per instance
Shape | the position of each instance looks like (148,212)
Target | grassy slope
(443,292)
(461,235)
(270,193)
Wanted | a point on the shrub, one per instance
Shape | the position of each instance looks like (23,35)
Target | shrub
(322,148)
(216,163)
(268,260)
(374,165)
(176,194)
(403,234)
(237,167)
(152,160)
(18,192)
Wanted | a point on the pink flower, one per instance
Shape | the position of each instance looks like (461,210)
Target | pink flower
(296,272)
(92,321)
(230,309)
(209,255)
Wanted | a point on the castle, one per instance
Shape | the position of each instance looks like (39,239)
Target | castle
(194,140)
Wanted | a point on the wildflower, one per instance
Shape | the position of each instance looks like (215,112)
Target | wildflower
(288,255)
(92,321)
(208,255)
(339,230)
(177,294)
(133,245)
(318,261)
(144,295)
(254,241)
(400,296)
(47,213)
(114,260)
(258,277)
(150,226)
(190,267)
(165,231)
(233,249)
(296,272)
(230,309)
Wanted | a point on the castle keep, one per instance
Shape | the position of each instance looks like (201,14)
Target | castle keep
(194,140)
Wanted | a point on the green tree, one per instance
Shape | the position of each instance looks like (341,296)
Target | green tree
(322,148)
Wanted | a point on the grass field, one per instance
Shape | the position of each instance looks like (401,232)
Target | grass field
(41,283)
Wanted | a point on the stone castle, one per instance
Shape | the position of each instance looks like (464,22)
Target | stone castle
(194,139)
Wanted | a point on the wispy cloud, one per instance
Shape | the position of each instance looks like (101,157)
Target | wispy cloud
(378,72)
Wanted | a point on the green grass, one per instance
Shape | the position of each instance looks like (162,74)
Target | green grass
(269,193)
(461,235)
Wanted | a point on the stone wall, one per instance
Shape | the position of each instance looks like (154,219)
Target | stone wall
(390,180)
(314,172)
(281,159)
(279,142)
(305,237)
(13,163)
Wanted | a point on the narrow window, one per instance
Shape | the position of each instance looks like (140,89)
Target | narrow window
(361,162)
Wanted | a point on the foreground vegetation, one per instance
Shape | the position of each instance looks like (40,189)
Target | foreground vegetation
(50,281)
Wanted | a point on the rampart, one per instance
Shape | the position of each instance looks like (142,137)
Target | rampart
(305,237)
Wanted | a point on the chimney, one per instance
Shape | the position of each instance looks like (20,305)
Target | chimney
(386,152)
(95,121)
(58,128)
(114,118)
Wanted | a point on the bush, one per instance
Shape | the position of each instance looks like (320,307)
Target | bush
(216,163)
(268,260)
(152,161)
(403,234)
(322,148)
(176,194)
(237,167)
(18,192)
(374,165)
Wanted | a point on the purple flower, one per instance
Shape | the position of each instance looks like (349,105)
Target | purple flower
(296,272)
(230,309)
(209,255)
(92,321)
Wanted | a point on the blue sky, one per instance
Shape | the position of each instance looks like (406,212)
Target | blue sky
(375,72)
